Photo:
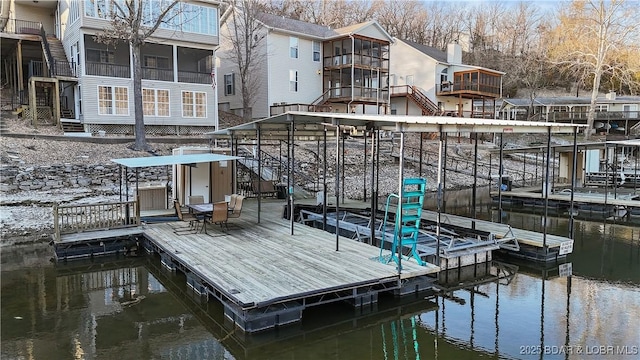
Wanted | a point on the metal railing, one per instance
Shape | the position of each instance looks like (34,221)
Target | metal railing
(16,26)
(149,73)
(111,70)
(36,68)
(69,219)
(194,77)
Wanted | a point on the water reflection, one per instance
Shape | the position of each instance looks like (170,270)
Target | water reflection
(136,309)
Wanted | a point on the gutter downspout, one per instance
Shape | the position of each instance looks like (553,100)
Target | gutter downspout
(353,50)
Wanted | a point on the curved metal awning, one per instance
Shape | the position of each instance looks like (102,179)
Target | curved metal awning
(172,160)
(310,125)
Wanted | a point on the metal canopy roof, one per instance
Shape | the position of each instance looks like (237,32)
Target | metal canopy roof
(312,124)
(172,160)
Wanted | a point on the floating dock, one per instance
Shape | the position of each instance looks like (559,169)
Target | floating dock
(265,277)
(588,203)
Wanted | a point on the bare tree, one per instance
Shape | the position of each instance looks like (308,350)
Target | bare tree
(134,22)
(245,36)
(589,39)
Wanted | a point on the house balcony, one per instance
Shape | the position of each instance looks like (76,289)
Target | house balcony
(194,77)
(472,84)
(359,94)
(106,69)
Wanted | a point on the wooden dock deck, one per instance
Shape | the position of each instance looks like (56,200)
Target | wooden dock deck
(265,277)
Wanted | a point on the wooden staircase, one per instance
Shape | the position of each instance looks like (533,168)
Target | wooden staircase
(59,60)
(427,106)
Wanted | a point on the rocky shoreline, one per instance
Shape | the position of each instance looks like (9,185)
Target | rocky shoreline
(26,214)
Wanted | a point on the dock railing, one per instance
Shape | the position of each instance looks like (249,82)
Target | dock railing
(78,218)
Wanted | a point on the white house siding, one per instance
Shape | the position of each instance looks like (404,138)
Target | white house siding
(405,62)
(23,11)
(90,102)
(280,62)
(372,31)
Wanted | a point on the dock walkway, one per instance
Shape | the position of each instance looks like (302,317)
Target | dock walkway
(265,277)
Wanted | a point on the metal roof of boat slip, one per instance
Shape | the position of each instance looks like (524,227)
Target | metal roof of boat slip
(313,124)
(172,160)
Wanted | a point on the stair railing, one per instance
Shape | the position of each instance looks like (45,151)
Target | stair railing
(420,98)
(47,50)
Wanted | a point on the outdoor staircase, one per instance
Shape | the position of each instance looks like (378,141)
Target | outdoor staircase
(407,220)
(71,126)
(427,106)
(58,64)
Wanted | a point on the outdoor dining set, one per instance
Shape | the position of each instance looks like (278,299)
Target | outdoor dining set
(199,213)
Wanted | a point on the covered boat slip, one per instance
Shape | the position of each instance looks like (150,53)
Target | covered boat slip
(266,277)
(301,126)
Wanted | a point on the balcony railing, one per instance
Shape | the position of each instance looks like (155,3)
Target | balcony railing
(111,70)
(64,68)
(277,109)
(194,77)
(448,87)
(581,116)
(159,74)
(15,26)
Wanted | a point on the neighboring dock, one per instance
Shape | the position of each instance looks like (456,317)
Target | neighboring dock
(588,203)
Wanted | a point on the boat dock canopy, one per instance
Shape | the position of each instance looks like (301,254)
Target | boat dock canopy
(172,160)
(314,124)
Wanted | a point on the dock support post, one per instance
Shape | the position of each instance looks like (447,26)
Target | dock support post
(500,175)
(439,197)
(374,194)
(292,172)
(547,190)
(475,180)
(337,191)
(574,169)
(399,208)
(259,137)
(324,182)
(364,172)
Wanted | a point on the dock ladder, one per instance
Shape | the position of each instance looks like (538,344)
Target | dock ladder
(406,230)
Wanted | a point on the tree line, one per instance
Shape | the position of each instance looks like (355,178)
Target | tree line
(532,42)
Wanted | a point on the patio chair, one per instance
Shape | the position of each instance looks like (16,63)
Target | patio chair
(232,201)
(186,217)
(236,210)
(218,216)
(196,199)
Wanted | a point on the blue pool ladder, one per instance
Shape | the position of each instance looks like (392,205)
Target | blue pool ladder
(405,234)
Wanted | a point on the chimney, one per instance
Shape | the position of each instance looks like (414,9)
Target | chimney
(611,95)
(454,54)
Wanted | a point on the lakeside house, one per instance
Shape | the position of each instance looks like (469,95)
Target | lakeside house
(357,69)
(428,81)
(53,64)
(615,114)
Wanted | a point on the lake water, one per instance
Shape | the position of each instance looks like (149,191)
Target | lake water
(88,310)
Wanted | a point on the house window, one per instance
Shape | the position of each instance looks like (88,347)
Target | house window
(229,84)
(156,62)
(293,80)
(602,107)
(113,100)
(293,47)
(316,51)
(155,102)
(98,8)
(101,56)
(194,104)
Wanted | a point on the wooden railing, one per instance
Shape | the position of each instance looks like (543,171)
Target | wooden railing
(77,218)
